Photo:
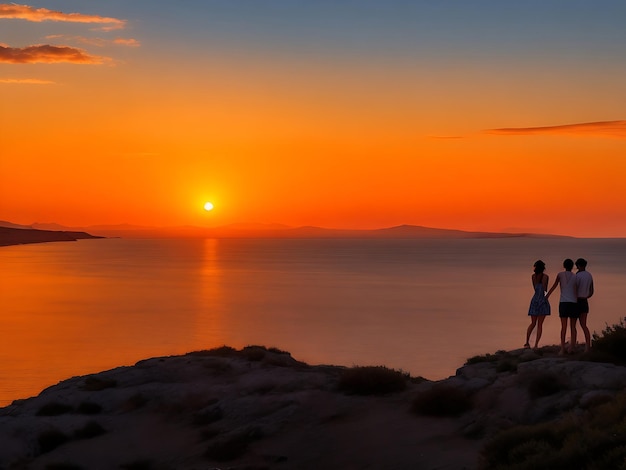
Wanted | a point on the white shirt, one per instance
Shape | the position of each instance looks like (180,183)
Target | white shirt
(584,281)
(567,281)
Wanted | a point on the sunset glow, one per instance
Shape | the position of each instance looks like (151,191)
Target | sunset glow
(348,115)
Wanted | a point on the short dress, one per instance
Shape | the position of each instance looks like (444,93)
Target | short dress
(539,305)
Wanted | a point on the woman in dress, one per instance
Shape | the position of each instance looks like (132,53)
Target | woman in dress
(539,306)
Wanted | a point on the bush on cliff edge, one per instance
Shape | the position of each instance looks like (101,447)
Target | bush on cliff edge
(611,343)
(595,440)
(372,380)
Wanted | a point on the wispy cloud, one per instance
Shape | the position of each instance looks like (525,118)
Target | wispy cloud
(98,42)
(127,42)
(599,129)
(47,54)
(26,81)
(28,13)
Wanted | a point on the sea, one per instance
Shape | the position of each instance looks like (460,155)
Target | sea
(422,306)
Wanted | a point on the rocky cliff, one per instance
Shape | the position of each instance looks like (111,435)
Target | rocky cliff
(261,409)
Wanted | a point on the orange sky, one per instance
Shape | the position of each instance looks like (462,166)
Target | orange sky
(312,115)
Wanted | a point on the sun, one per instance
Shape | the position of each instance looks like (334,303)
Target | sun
(208,206)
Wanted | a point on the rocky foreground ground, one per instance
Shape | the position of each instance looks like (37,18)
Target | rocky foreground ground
(262,409)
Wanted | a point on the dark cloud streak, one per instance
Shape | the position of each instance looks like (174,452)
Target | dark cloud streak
(616,129)
(47,54)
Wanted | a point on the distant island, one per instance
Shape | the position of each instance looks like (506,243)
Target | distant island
(20,236)
(38,232)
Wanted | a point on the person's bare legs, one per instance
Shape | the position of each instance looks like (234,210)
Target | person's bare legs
(531,327)
(572,341)
(583,325)
(563,331)
(539,329)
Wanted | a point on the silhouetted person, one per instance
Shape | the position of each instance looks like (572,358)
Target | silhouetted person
(568,303)
(539,306)
(584,290)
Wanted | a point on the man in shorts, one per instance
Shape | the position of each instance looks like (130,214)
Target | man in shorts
(568,303)
(584,290)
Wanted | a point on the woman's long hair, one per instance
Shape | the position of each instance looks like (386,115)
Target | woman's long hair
(539,266)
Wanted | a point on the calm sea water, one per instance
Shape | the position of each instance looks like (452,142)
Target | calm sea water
(423,306)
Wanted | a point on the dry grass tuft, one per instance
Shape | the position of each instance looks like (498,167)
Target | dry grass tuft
(54,409)
(96,384)
(372,380)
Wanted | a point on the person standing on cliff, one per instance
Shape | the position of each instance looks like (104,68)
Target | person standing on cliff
(584,290)
(568,303)
(539,306)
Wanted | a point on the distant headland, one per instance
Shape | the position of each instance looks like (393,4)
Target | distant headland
(20,236)
(11,234)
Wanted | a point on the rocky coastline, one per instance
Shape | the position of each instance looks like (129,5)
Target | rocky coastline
(259,408)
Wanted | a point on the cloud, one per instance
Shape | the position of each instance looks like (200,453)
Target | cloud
(47,54)
(98,42)
(28,13)
(593,129)
(26,81)
(127,42)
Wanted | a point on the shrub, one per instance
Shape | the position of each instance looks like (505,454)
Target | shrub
(442,400)
(278,351)
(612,342)
(50,440)
(222,351)
(505,362)
(54,409)
(481,358)
(610,414)
(96,384)
(88,408)
(594,441)
(372,380)
(89,430)
(251,353)
(254,353)
(521,446)
(134,402)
